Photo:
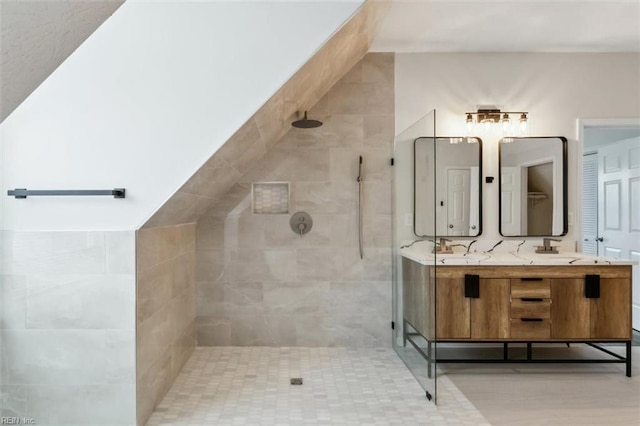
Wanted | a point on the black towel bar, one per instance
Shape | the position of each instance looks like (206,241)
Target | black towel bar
(24,193)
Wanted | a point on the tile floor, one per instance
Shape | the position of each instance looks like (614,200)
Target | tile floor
(228,386)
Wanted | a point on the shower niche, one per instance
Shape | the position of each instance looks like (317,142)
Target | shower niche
(270,197)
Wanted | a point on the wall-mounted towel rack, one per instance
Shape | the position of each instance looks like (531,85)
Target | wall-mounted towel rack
(24,193)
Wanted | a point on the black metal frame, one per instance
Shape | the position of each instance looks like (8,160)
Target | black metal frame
(618,359)
(23,193)
(565,185)
(435,140)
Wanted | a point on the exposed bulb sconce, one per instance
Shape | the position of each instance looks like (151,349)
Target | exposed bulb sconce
(492,121)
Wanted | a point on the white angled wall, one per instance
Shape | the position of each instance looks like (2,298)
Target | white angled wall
(556,88)
(146,100)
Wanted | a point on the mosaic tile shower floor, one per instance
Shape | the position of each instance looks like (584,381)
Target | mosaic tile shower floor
(229,386)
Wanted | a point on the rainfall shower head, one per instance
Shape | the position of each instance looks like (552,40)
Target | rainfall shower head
(305,123)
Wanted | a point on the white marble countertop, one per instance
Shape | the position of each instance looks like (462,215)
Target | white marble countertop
(502,253)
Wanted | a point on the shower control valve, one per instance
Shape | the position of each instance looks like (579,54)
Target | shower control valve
(301,223)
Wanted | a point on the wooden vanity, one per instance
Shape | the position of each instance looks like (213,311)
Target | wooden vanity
(524,304)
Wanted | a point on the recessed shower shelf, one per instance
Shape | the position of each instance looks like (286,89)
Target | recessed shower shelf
(270,197)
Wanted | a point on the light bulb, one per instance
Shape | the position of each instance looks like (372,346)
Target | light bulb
(487,126)
(524,125)
(470,126)
(506,124)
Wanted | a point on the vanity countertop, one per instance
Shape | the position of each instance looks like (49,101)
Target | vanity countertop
(502,253)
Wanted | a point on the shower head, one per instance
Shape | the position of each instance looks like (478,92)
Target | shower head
(305,123)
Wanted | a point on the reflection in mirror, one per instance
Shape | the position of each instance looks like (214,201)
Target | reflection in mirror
(455,209)
(533,186)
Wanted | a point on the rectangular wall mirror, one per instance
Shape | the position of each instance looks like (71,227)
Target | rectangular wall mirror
(455,209)
(533,186)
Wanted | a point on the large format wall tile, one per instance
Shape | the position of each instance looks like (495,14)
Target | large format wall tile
(78,301)
(166,310)
(13,301)
(67,327)
(259,283)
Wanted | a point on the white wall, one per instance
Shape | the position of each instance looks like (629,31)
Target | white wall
(556,89)
(146,100)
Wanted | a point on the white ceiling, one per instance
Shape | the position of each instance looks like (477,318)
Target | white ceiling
(38,35)
(510,26)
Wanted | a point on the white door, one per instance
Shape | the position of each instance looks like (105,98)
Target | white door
(590,203)
(511,208)
(619,207)
(458,193)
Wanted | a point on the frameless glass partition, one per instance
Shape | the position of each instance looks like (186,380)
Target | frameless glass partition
(414,304)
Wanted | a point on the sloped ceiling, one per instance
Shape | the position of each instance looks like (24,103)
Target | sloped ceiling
(37,36)
(260,133)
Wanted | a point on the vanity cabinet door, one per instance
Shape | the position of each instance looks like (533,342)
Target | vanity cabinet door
(453,312)
(570,309)
(490,311)
(611,312)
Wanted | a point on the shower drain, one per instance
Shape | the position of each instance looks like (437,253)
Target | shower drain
(296,380)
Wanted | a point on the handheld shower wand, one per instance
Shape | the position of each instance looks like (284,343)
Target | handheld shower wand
(359,180)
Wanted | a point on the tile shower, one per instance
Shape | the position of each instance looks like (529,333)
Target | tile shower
(130,308)
(259,283)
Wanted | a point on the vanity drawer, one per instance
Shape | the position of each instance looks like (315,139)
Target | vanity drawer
(529,328)
(530,287)
(531,308)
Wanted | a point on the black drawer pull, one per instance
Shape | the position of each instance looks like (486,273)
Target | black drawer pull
(532,299)
(531,319)
(531,279)
(472,286)
(592,286)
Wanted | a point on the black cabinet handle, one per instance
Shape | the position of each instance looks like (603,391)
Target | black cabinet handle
(592,286)
(531,319)
(531,279)
(532,299)
(472,286)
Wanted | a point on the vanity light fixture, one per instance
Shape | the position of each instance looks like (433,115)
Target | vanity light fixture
(493,121)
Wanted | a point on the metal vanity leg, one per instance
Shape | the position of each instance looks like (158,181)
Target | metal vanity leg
(628,363)
(505,351)
(404,333)
(529,351)
(429,358)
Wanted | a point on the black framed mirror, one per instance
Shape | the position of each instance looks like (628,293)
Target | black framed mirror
(533,186)
(453,205)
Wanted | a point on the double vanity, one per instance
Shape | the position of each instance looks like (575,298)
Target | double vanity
(515,290)
(509,293)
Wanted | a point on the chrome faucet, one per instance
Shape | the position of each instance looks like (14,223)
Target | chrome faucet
(442,247)
(546,247)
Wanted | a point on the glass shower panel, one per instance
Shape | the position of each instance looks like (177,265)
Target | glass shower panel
(414,337)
